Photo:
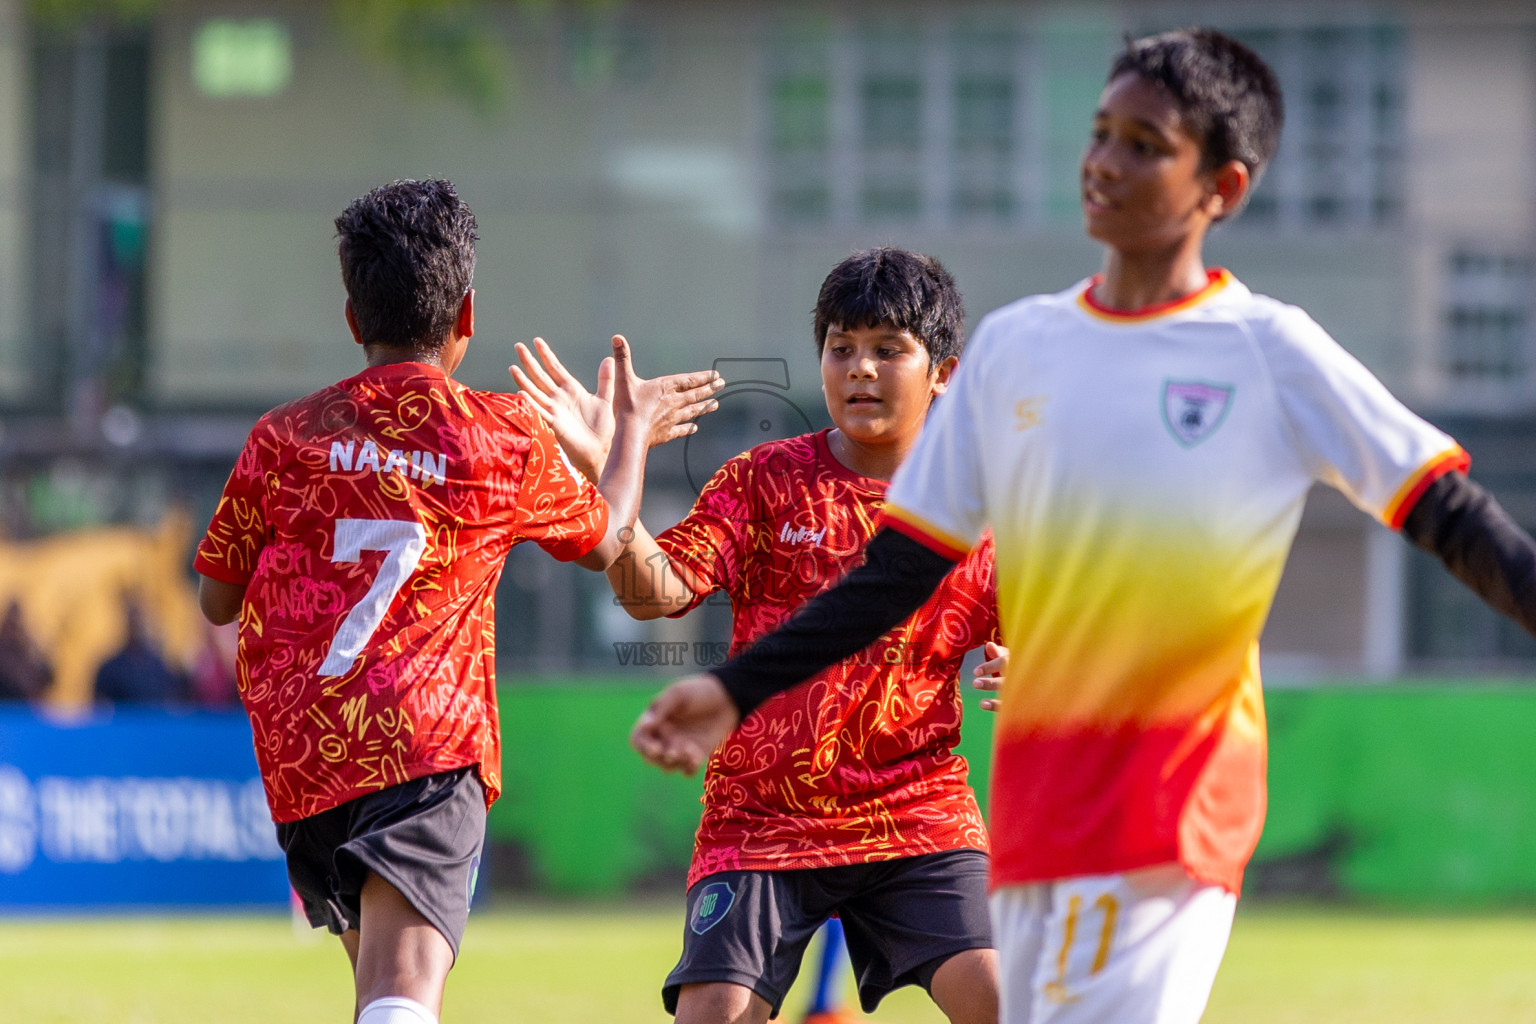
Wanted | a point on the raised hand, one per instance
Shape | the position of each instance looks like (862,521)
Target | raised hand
(582,421)
(684,724)
(989,674)
(667,406)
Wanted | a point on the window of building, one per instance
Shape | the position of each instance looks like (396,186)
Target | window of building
(1341,157)
(90,218)
(969,117)
(884,120)
(1487,336)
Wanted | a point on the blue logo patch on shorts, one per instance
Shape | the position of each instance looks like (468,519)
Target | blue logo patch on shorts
(715,901)
(474,877)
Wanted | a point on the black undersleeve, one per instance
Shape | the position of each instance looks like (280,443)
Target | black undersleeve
(1462,525)
(897,576)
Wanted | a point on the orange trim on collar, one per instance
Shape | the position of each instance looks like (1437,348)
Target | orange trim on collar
(1217,278)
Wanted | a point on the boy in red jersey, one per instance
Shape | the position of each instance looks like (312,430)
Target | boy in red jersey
(1140,447)
(359,540)
(844,797)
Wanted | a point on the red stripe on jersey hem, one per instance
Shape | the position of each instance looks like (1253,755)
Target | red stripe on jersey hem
(222,573)
(929,536)
(1409,494)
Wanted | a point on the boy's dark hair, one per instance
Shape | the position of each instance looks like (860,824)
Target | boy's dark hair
(1229,97)
(907,290)
(407,259)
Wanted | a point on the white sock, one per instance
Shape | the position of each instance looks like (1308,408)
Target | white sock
(396,1010)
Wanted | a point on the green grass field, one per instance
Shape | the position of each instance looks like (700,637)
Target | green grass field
(603,966)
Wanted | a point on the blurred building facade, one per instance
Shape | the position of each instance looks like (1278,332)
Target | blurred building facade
(686,173)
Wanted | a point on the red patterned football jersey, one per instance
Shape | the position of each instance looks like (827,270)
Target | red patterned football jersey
(858,765)
(369,522)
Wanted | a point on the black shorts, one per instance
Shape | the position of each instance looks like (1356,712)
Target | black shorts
(902,920)
(423,837)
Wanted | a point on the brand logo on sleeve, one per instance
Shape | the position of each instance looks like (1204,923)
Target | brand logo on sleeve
(1194,409)
(715,901)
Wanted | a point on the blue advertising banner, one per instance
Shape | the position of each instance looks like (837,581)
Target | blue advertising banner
(134,808)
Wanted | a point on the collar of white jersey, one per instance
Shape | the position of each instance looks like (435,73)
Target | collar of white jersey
(1218,279)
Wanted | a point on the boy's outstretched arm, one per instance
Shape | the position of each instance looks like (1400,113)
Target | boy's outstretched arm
(220,602)
(647,583)
(645,412)
(690,718)
(1461,524)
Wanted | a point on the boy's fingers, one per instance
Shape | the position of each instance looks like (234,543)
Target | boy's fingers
(531,365)
(644,739)
(605,372)
(700,393)
(706,381)
(988,683)
(623,363)
(552,362)
(528,387)
(991,705)
(680,430)
(694,410)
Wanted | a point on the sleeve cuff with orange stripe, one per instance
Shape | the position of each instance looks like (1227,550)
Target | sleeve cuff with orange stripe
(1451,460)
(939,541)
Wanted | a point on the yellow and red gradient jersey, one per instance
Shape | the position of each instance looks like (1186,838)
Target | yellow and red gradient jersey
(1142,476)
(369,523)
(858,765)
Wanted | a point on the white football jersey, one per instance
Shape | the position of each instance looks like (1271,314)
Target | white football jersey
(1143,475)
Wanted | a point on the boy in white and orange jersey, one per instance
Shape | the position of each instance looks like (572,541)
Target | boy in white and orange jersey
(1141,446)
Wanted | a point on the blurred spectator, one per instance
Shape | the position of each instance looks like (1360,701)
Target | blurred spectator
(213,673)
(24,672)
(137,674)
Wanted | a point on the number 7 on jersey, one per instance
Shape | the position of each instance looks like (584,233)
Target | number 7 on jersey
(404,542)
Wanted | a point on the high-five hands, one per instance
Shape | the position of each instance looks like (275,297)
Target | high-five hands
(989,674)
(684,724)
(583,421)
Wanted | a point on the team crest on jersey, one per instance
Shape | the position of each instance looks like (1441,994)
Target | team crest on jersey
(714,903)
(1193,409)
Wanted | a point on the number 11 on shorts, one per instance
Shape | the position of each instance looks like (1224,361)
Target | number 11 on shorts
(1056,990)
(404,542)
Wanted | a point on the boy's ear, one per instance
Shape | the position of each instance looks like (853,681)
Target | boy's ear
(1229,186)
(465,326)
(942,373)
(357,335)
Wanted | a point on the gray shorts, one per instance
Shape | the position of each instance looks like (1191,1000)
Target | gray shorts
(902,919)
(424,837)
